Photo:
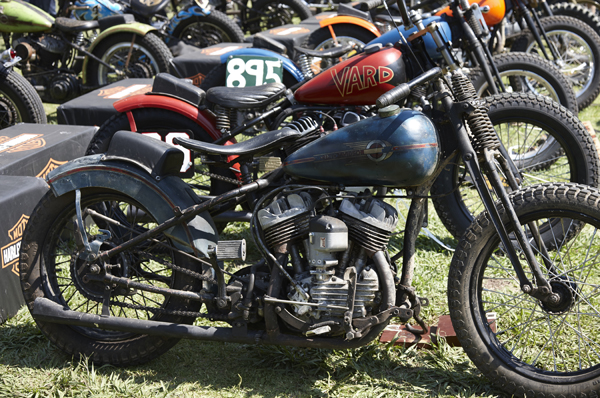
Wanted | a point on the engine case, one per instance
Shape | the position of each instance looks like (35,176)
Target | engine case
(400,150)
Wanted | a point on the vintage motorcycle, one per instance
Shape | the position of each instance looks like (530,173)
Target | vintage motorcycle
(195,23)
(55,51)
(121,256)
(19,102)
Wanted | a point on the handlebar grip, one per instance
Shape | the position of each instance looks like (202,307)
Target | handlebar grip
(370,4)
(403,90)
(394,95)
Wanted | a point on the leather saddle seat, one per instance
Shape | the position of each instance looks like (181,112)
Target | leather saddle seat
(257,146)
(166,84)
(69,25)
(245,97)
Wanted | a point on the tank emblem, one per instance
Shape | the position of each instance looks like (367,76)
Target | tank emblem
(350,79)
(376,150)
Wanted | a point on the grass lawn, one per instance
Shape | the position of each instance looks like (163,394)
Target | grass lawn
(31,367)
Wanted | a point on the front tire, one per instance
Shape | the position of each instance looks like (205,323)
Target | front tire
(525,347)
(546,141)
(522,72)
(579,49)
(19,102)
(150,55)
(51,268)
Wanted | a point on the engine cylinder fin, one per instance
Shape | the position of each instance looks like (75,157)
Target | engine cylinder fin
(367,236)
(288,230)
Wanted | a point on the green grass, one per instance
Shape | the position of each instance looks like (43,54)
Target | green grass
(31,367)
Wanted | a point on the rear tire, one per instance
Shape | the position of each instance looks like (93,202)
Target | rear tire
(149,57)
(19,102)
(209,30)
(51,268)
(532,349)
(269,14)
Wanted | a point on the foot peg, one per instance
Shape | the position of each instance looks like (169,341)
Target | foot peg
(231,250)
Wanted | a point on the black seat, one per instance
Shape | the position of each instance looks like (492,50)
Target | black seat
(333,52)
(165,83)
(145,10)
(264,42)
(245,97)
(69,25)
(259,145)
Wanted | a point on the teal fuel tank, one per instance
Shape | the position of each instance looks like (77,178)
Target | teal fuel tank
(397,148)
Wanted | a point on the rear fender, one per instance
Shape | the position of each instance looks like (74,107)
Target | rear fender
(160,197)
(344,19)
(288,65)
(137,28)
(203,118)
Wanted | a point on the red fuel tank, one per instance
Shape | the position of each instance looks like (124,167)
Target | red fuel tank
(359,80)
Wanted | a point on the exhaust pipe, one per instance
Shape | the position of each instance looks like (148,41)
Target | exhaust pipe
(49,311)
(46,310)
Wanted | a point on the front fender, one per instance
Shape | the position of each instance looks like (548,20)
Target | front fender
(137,28)
(352,21)
(160,198)
(288,65)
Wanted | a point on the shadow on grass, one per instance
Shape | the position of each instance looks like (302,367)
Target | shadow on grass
(194,368)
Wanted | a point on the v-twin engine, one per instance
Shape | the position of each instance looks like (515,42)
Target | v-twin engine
(329,252)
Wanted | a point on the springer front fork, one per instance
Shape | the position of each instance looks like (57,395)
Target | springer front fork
(481,155)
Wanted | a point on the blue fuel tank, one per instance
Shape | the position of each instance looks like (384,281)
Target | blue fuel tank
(397,148)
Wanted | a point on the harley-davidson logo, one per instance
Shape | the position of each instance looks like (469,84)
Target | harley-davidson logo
(22,142)
(122,91)
(197,79)
(52,164)
(351,79)
(376,150)
(10,252)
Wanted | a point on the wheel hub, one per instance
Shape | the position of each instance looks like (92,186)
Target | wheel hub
(139,70)
(81,271)
(566,290)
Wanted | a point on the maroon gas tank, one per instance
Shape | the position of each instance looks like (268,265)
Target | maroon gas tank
(359,80)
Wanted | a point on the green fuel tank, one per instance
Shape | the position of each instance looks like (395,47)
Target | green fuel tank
(16,16)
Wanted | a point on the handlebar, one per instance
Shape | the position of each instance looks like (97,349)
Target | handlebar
(400,92)
(370,4)
(404,13)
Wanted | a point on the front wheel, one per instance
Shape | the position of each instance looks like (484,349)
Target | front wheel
(545,141)
(19,102)
(207,30)
(528,73)
(132,56)
(578,48)
(524,346)
(51,267)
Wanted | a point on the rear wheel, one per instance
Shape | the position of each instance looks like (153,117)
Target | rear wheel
(52,269)
(208,30)
(526,347)
(546,142)
(147,56)
(321,39)
(19,102)
(268,14)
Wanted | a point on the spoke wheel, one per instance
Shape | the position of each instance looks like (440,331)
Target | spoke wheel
(524,346)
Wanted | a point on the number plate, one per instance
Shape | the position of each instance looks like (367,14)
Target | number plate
(187,168)
(248,71)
